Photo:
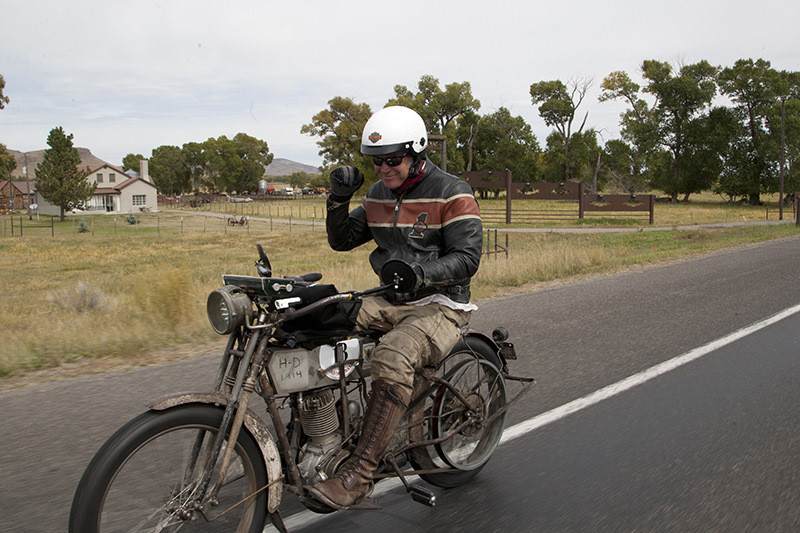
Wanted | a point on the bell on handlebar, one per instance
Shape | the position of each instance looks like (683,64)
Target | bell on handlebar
(400,274)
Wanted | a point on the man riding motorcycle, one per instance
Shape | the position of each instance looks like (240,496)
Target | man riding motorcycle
(428,219)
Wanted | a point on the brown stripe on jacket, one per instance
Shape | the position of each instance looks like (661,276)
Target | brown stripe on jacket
(440,211)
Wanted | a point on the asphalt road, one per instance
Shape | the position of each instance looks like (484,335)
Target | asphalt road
(713,445)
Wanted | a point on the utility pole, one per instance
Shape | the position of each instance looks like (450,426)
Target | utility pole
(783,153)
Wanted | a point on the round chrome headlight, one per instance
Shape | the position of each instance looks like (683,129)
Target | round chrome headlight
(227,308)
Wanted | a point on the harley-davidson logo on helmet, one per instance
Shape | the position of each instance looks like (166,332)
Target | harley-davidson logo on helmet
(374,137)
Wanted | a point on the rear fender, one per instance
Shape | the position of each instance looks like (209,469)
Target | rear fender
(269,451)
(489,342)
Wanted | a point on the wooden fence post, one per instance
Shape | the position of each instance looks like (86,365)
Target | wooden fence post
(509,193)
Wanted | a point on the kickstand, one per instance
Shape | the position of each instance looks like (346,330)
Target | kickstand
(418,494)
(277,521)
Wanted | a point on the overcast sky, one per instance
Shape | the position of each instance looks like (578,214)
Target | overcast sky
(130,76)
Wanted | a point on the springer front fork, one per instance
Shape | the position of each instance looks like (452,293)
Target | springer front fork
(236,380)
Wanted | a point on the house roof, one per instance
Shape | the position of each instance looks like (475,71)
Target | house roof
(106,190)
(106,165)
(121,185)
(22,186)
(132,181)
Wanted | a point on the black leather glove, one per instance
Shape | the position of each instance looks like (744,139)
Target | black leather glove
(344,182)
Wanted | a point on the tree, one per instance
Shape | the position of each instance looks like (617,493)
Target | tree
(621,167)
(7,163)
(131,162)
(784,126)
(558,105)
(168,169)
(581,162)
(58,178)
(3,99)
(437,107)
(638,131)
(222,164)
(339,128)
(751,86)
(503,141)
(441,110)
(299,180)
(680,98)
(198,163)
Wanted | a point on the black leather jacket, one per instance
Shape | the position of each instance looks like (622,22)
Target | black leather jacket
(435,223)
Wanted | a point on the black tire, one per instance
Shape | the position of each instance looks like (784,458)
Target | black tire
(471,359)
(138,476)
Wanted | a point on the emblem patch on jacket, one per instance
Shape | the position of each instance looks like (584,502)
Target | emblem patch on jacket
(419,226)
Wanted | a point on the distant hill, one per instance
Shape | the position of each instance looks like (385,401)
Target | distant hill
(32,159)
(286,167)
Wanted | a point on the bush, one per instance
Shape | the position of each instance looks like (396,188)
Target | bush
(82,226)
(130,219)
(81,298)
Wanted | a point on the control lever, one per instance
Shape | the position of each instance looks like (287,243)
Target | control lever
(418,494)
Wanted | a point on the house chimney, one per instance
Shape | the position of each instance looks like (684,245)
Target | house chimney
(143,172)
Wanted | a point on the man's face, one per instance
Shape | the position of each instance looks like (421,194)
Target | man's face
(392,176)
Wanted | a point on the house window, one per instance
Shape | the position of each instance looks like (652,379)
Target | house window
(99,178)
(139,199)
(112,178)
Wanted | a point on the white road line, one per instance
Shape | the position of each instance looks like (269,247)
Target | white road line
(637,379)
(523,428)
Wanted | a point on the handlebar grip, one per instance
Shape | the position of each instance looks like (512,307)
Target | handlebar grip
(293,314)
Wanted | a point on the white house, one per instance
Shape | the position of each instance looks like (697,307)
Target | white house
(116,192)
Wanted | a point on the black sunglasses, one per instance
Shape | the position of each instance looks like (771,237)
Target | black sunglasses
(392,161)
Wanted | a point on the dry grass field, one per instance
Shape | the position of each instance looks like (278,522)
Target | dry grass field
(119,294)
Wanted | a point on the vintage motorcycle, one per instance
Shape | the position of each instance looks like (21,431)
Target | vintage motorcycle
(207,461)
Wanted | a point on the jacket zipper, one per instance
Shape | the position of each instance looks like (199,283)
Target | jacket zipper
(397,232)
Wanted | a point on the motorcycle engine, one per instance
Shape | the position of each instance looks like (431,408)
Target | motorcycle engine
(321,455)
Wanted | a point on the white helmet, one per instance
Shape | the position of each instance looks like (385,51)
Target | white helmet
(394,129)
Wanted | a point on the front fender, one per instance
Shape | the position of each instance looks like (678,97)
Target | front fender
(269,451)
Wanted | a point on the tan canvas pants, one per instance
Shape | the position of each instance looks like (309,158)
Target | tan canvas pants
(421,335)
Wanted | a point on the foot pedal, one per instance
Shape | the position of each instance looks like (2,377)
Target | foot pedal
(422,495)
(418,494)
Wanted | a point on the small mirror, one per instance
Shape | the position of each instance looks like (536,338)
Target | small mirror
(263,266)
(400,274)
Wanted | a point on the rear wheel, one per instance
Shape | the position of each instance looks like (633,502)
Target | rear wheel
(139,480)
(464,418)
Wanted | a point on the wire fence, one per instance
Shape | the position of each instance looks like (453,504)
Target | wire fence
(171,223)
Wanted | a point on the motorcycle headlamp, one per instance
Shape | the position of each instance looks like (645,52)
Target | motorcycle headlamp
(227,308)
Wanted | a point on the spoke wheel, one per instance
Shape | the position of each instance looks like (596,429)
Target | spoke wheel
(464,415)
(472,369)
(143,478)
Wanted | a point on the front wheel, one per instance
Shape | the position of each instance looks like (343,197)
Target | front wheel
(146,476)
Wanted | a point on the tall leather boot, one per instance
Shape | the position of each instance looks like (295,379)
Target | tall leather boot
(353,481)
